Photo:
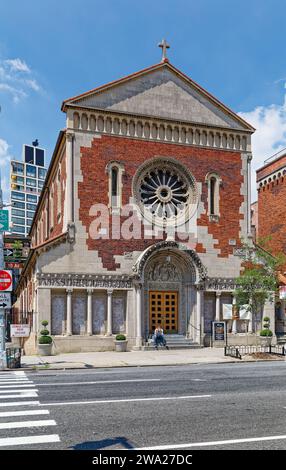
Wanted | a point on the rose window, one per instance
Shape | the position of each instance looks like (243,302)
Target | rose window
(164,193)
(165,190)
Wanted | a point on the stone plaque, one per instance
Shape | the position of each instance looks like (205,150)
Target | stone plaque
(58,314)
(78,314)
(98,315)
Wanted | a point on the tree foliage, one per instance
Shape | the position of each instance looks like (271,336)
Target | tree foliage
(258,282)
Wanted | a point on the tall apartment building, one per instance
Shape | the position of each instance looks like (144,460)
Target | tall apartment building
(27,180)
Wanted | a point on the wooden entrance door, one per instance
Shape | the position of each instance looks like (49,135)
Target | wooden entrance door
(163,310)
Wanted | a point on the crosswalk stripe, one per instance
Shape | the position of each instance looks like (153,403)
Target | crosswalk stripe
(17,385)
(28,424)
(15,381)
(18,391)
(13,441)
(20,403)
(29,394)
(8,414)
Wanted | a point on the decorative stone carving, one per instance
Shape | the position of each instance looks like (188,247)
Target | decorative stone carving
(138,268)
(218,284)
(165,272)
(84,280)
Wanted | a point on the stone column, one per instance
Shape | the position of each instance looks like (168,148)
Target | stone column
(69,181)
(234,314)
(199,316)
(189,311)
(109,312)
(217,306)
(138,316)
(69,312)
(89,311)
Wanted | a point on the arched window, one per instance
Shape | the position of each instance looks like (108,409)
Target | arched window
(213,181)
(114,187)
(115,171)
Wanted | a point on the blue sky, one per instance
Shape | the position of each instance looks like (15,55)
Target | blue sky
(52,50)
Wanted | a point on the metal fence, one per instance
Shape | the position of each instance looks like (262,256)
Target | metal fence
(239,351)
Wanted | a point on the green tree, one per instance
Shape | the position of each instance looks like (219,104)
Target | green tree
(258,282)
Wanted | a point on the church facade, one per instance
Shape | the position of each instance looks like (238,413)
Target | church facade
(141,222)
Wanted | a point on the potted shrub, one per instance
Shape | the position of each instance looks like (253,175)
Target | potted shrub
(45,341)
(266,334)
(120,343)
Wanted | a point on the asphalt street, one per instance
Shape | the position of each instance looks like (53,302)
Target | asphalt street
(224,406)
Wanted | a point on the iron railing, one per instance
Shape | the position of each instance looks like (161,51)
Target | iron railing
(242,350)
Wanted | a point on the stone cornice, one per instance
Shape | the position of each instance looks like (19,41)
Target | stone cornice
(125,114)
(102,122)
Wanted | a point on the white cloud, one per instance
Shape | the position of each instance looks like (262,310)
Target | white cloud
(33,84)
(18,65)
(13,73)
(270,135)
(16,93)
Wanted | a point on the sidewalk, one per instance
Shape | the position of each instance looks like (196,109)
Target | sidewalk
(108,359)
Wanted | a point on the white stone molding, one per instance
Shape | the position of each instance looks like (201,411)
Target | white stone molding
(156,129)
(272,178)
(217,306)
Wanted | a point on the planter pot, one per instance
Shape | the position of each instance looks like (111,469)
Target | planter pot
(265,340)
(121,346)
(45,349)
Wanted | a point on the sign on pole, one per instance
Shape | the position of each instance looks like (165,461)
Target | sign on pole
(5,300)
(6,281)
(4,220)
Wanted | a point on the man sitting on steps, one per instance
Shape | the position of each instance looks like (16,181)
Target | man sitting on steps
(159,337)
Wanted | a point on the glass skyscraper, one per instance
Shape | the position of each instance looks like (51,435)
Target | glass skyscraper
(27,180)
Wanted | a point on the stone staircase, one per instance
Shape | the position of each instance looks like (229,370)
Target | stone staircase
(173,342)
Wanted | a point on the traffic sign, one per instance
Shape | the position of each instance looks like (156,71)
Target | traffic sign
(5,300)
(4,220)
(8,253)
(6,282)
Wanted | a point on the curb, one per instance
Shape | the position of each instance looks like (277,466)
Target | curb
(49,367)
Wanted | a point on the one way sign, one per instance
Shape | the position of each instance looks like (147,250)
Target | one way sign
(5,300)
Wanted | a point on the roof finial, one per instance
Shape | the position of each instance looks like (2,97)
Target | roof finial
(164,45)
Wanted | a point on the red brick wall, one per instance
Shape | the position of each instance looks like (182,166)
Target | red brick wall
(271,168)
(55,226)
(132,153)
(272,215)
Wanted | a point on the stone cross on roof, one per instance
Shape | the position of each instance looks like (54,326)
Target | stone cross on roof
(164,45)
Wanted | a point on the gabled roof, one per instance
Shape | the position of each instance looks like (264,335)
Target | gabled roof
(161,91)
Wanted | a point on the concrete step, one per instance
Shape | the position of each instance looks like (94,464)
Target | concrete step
(173,342)
(173,347)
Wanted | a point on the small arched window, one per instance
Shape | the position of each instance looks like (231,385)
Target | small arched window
(114,187)
(213,181)
(115,171)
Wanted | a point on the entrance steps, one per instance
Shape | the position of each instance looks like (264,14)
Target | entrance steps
(173,342)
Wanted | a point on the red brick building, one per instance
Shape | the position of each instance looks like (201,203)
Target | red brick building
(146,203)
(271,185)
